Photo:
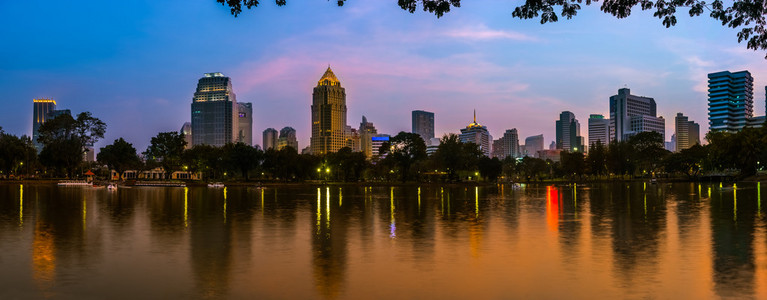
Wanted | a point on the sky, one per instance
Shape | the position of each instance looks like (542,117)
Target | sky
(135,64)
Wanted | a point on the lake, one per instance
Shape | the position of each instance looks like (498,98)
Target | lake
(585,241)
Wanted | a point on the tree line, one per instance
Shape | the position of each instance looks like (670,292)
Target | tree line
(404,158)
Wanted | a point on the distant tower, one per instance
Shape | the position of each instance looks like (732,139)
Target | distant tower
(730,100)
(423,124)
(687,133)
(287,138)
(533,144)
(186,129)
(245,123)
(40,113)
(568,131)
(632,114)
(477,134)
(328,115)
(269,139)
(367,131)
(599,130)
(214,111)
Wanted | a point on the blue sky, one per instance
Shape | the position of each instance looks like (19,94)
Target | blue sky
(135,64)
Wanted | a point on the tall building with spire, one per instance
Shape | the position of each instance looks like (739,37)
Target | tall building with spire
(214,111)
(328,115)
(477,134)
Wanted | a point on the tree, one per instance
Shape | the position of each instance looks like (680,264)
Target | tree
(490,168)
(64,139)
(205,159)
(573,163)
(453,156)
(648,150)
(119,156)
(404,150)
(166,149)
(16,153)
(746,15)
(596,161)
(687,161)
(241,158)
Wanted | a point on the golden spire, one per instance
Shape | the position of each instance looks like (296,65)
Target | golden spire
(329,76)
(475,115)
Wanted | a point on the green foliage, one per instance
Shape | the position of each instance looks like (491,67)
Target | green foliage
(747,16)
(573,163)
(17,154)
(205,159)
(403,151)
(490,168)
(119,156)
(596,161)
(452,156)
(64,139)
(241,158)
(166,149)
(347,165)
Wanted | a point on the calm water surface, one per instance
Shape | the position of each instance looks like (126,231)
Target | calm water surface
(686,240)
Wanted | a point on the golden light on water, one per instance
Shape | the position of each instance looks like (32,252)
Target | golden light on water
(186,207)
(21,205)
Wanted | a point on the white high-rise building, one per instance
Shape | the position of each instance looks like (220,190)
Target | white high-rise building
(631,114)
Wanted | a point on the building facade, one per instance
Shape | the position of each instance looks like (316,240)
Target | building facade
(730,100)
(287,139)
(328,115)
(41,108)
(367,131)
(423,125)
(269,139)
(214,111)
(186,130)
(508,145)
(599,130)
(245,123)
(568,131)
(477,134)
(631,114)
(533,144)
(686,134)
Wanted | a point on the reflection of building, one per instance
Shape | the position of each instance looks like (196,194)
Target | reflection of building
(329,250)
(269,140)
(730,100)
(245,123)
(477,134)
(687,132)
(569,133)
(423,124)
(631,114)
(186,130)
(214,111)
(287,138)
(328,115)
(599,130)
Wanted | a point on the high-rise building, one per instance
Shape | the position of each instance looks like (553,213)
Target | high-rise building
(287,138)
(367,131)
(568,131)
(377,141)
(508,145)
(186,130)
(245,123)
(631,114)
(730,100)
(328,115)
(352,138)
(687,133)
(599,130)
(214,111)
(533,144)
(423,125)
(477,134)
(269,140)
(40,110)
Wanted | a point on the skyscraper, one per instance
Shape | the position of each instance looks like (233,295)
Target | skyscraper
(533,144)
(568,131)
(631,114)
(269,140)
(730,100)
(245,123)
(508,145)
(423,124)
(477,134)
(214,111)
(328,115)
(599,130)
(287,138)
(186,129)
(687,133)
(40,110)
(367,132)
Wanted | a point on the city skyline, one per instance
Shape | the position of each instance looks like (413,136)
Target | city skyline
(488,66)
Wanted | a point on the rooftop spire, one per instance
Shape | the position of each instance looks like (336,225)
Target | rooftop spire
(329,76)
(475,115)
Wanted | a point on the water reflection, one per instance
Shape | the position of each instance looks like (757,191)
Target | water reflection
(636,240)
